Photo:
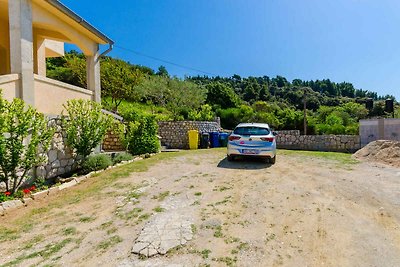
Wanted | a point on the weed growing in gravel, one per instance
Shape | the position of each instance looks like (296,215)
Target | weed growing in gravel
(230,240)
(87,219)
(133,213)
(227,260)
(221,188)
(175,250)
(195,203)
(35,240)
(161,196)
(144,217)
(111,231)
(205,253)
(198,194)
(194,228)
(45,253)
(7,234)
(218,231)
(134,194)
(105,225)
(158,209)
(243,246)
(69,231)
(110,242)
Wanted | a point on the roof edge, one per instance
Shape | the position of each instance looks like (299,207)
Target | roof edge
(57,4)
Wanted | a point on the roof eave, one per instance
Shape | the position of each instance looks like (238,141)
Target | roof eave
(57,4)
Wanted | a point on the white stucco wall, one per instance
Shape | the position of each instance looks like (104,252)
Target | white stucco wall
(10,86)
(50,95)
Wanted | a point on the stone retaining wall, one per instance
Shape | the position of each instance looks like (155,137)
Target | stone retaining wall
(174,134)
(112,142)
(334,143)
(60,157)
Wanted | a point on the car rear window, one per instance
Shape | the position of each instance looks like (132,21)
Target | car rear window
(251,131)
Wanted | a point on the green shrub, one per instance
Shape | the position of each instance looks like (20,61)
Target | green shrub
(85,125)
(141,136)
(122,157)
(96,163)
(24,138)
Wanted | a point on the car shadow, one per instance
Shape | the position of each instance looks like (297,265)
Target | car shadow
(243,163)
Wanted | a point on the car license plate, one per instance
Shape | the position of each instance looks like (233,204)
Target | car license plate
(250,151)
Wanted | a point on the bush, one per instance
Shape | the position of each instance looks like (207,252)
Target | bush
(141,136)
(122,157)
(24,138)
(85,125)
(96,163)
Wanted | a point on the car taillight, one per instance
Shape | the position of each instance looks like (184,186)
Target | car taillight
(233,138)
(268,139)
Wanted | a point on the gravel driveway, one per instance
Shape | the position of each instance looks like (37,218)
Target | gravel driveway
(195,208)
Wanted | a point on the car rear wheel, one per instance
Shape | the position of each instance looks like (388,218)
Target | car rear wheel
(272,160)
(230,158)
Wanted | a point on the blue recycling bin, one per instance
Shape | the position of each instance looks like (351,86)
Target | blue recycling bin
(214,139)
(223,139)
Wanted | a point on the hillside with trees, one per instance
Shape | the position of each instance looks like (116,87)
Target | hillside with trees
(133,90)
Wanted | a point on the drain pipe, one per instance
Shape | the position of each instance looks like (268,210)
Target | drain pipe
(106,52)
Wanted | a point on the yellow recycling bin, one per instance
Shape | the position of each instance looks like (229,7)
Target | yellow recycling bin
(193,139)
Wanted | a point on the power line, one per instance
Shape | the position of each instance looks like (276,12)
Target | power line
(164,61)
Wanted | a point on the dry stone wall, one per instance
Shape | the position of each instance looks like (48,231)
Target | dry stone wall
(60,158)
(174,134)
(334,143)
(112,142)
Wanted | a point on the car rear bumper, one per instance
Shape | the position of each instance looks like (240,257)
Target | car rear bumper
(258,152)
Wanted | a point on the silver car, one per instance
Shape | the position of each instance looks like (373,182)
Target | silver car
(252,139)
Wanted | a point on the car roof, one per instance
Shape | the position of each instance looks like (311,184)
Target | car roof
(261,125)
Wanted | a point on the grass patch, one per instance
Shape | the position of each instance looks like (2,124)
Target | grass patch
(110,242)
(194,228)
(7,234)
(198,194)
(158,209)
(218,232)
(35,240)
(133,213)
(45,253)
(69,231)
(111,231)
(161,196)
(144,217)
(227,260)
(105,225)
(222,188)
(205,253)
(341,158)
(87,219)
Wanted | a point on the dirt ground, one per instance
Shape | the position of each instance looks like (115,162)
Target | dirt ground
(309,209)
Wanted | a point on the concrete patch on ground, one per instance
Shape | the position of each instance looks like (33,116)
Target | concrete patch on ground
(168,229)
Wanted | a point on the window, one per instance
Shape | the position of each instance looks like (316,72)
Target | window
(251,131)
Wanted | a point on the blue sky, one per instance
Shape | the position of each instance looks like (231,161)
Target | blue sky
(345,40)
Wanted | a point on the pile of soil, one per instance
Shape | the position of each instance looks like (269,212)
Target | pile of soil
(383,151)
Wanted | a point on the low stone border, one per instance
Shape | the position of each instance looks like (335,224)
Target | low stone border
(18,203)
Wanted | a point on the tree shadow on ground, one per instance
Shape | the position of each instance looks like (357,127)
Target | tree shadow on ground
(244,163)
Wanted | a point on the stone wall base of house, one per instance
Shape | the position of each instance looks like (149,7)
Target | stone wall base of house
(60,158)
(112,142)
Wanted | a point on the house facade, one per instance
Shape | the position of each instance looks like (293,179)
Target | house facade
(30,32)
